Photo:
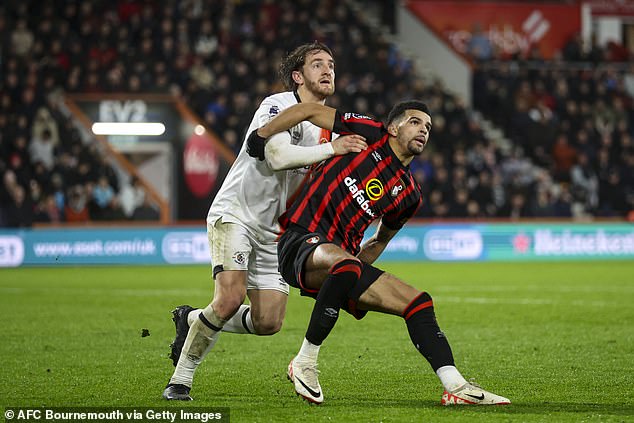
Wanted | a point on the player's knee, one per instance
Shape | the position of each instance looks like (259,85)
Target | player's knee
(269,325)
(421,305)
(352,265)
(227,305)
(229,296)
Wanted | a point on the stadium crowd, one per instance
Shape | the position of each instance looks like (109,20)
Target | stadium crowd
(221,57)
(571,125)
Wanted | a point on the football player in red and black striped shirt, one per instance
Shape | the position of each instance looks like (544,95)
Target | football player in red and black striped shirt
(320,250)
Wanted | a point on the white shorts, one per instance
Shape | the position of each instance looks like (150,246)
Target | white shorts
(232,247)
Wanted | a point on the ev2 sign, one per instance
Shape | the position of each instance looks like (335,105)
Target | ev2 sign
(122,111)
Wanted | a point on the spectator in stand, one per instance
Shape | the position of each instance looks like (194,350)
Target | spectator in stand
(57,191)
(542,205)
(132,196)
(42,150)
(19,212)
(46,210)
(459,206)
(103,167)
(564,156)
(473,211)
(76,209)
(482,194)
(479,46)
(102,197)
(145,211)
(19,163)
(22,39)
(573,50)
(516,208)
(612,196)
(442,184)
(585,184)
(616,52)
(562,205)
(9,182)
(438,205)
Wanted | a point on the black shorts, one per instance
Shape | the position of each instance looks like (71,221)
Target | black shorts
(293,249)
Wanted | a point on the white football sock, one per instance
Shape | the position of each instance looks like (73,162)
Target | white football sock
(200,340)
(308,352)
(193,316)
(450,378)
(236,324)
(241,322)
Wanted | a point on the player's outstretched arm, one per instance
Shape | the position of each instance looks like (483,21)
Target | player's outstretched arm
(317,114)
(373,247)
(281,154)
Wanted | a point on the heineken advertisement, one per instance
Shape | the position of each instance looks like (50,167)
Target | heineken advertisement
(415,242)
(511,242)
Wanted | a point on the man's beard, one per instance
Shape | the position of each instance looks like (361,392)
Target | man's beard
(413,147)
(317,89)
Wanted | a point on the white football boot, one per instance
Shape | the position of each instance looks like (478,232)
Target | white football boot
(305,378)
(472,394)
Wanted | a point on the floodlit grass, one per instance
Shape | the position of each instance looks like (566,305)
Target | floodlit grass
(556,338)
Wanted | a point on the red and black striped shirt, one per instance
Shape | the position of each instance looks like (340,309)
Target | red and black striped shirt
(346,193)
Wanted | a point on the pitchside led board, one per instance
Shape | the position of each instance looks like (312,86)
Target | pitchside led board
(448,243)
(185,163)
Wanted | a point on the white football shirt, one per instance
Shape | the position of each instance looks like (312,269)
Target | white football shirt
(252,194)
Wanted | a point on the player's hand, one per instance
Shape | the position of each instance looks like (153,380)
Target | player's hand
(349,144)
(255,145)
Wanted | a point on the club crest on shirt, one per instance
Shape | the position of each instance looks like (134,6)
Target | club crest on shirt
(313,240)
(397,188)
(273,111)
(240,257)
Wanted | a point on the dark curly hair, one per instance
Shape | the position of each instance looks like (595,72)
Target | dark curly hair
(399,109)
(296,59)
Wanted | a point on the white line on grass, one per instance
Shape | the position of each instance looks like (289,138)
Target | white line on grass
(523,301)
(109,292)
(599,287)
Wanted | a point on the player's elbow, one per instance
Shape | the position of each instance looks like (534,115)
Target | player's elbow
(275,164)
(274,157)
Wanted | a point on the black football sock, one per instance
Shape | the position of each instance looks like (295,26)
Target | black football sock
(332,296)
(425,334)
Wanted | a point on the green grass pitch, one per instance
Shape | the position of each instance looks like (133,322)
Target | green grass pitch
(556,338)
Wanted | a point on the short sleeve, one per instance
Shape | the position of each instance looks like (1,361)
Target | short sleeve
(271,107)
(268,109)
(353,123)
(398,218)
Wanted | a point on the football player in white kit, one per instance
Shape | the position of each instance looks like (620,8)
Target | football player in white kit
(242,224)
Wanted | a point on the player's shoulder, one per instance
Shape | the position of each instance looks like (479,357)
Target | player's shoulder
(411,180)
(283,99)
(272,105)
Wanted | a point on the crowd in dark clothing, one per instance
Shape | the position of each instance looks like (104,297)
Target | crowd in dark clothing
(571,120)
(221,58)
